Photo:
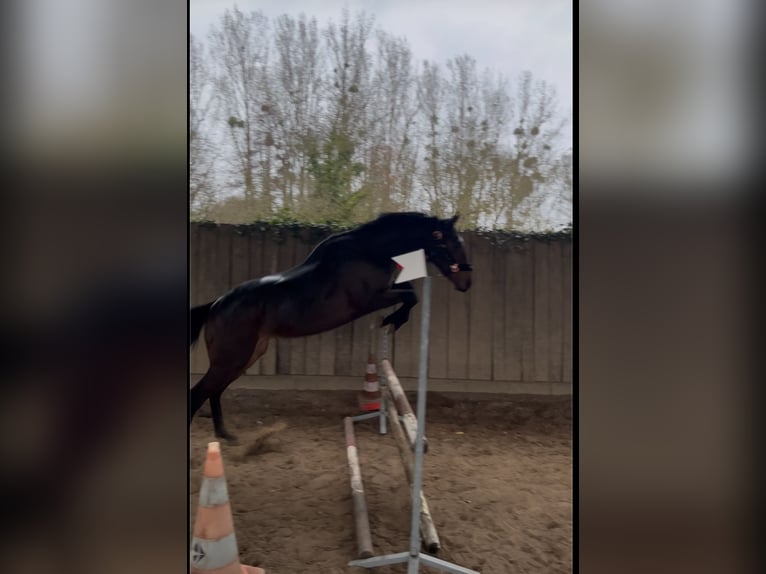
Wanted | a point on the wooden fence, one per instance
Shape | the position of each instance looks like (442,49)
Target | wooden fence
(512,332)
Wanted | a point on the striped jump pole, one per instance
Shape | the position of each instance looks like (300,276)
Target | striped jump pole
(427,528)
(409,421)
(361,519)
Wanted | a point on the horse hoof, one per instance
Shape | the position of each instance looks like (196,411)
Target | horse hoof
(398,324)
(228,437)
(395,320)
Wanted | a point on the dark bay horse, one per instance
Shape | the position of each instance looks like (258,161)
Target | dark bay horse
(346,276)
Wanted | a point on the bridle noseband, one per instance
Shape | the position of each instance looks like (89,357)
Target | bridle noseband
(454,266)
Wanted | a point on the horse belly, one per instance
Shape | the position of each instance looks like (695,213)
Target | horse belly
(315,322)
(312,318)
(314,305)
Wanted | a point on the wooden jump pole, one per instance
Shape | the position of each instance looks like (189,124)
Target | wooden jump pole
(363,536)
(409,421)
(427,528)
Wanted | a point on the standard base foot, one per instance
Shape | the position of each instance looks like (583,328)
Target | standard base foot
(413,562)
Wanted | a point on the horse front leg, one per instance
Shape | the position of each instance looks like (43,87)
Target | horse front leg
(404,293)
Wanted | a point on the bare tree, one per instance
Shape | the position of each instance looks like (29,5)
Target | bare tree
(550,204)
(460,166)
(431,105)
(340,124)
(336,159)
(392,154)
(202,151)
(298,86)
(239,45)
(537,128)
(496,115)
(467,117)
(350,59)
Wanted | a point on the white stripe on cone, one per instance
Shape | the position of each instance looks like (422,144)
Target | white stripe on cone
(212,554)
(371,386)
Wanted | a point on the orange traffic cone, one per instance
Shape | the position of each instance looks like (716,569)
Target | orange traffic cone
(369,398)
(214,545)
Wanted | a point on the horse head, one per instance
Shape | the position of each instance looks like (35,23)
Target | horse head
(446,251)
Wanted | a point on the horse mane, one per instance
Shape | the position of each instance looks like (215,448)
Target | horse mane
(395,219)
(392,220)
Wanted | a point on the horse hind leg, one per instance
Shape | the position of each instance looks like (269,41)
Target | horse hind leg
(211,386)
(215,399)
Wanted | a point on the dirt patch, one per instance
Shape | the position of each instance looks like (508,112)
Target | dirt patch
(498,478)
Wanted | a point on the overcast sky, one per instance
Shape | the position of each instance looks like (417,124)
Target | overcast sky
(507,35)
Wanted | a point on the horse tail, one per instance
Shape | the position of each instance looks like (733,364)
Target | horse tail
(198,319)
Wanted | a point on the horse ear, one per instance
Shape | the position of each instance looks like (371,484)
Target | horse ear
(454,218)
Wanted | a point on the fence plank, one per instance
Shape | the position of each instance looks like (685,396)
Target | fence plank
(240,258)
(195,270)
(555,308)
(210,287)
(343,350)
(327,353)
(541,304)
(439,331)
(312,355)
(499,302)
(360,346)
(524,312)
(225,261)
(457,345)
(481,309)
(259,246)
(566,275)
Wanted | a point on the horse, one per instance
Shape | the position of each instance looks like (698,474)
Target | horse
(346,276)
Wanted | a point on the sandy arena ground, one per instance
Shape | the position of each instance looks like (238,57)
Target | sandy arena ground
(498,479)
